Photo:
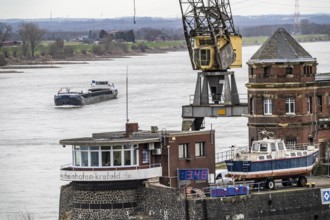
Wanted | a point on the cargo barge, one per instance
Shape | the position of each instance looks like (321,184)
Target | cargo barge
(98,92)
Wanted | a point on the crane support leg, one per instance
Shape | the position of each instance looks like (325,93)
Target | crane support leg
(215,95)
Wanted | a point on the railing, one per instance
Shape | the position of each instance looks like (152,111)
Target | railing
(221,157)
(300,146)
(220,98)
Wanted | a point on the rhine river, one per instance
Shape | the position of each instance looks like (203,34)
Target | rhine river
(31,127)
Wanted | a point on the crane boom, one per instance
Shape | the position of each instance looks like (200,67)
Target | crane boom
(212,41)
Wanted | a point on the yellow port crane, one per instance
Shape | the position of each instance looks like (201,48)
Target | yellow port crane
(214,46)
(212,40)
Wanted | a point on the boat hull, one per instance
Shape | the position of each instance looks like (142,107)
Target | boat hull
(83,99)
(275,169)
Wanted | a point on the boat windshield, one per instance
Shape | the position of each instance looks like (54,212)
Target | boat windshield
(255,147)
(272,145)
(263,147)
(280,146)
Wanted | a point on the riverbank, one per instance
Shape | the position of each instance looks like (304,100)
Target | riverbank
(90,52)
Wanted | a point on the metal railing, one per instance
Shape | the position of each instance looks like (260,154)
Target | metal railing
(220,98)
(221,157)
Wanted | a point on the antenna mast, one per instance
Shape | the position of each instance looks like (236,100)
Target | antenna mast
(127,120)
(296,16)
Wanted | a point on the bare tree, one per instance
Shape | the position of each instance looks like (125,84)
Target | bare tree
(31,36)
(5,31)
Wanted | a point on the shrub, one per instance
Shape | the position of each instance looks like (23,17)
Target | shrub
(3,61)
(97,49)
(5,52)
(68,51)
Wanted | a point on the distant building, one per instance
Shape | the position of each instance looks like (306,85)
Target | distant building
(285,96)
(10,43)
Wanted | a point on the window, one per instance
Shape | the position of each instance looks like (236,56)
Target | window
(308,70)
(76,156)
(290,105)
(268,106)
(288,71)
(251,106)
(251,71)
(105,156)
(183,151)
(145,156)
(261,157)
(127,154)
(263,147)
(117,152)
(205,57)
(319,103)
(200,149)
(280,146)
(309,105)
(255,147)
(84,156)
(266,72)
(272,145)
(94,156)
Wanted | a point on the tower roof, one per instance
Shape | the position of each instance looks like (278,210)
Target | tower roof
(281,47)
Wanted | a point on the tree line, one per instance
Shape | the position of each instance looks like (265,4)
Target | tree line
(29,39)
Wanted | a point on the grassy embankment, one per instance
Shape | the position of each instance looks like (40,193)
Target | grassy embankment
(82,52)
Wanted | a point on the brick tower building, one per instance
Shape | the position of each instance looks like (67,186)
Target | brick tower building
(284,95)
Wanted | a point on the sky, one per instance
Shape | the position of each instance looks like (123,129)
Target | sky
(30,9)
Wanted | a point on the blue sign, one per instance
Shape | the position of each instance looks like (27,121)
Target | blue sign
(193,174)
(325,196)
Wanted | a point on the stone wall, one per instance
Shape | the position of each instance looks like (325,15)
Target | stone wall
(297,204)
(121,201)
(161,202)
(66,202)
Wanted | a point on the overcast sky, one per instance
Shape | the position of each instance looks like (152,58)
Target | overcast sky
(151,8)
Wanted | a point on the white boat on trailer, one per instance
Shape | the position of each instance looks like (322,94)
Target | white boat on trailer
(269,159)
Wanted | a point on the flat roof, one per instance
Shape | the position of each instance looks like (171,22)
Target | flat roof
(120,137)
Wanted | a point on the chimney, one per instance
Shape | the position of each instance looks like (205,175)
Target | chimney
(131,128)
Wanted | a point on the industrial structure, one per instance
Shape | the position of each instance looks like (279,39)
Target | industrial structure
(214,47)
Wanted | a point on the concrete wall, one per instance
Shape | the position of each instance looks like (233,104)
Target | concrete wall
(298,204)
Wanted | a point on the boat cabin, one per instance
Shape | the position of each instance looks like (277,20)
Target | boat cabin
(268,146)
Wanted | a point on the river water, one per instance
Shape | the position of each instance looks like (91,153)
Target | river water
(31,127)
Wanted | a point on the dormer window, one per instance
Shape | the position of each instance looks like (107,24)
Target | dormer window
(288,70)
(266,71)
(308,70)
(251,72)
